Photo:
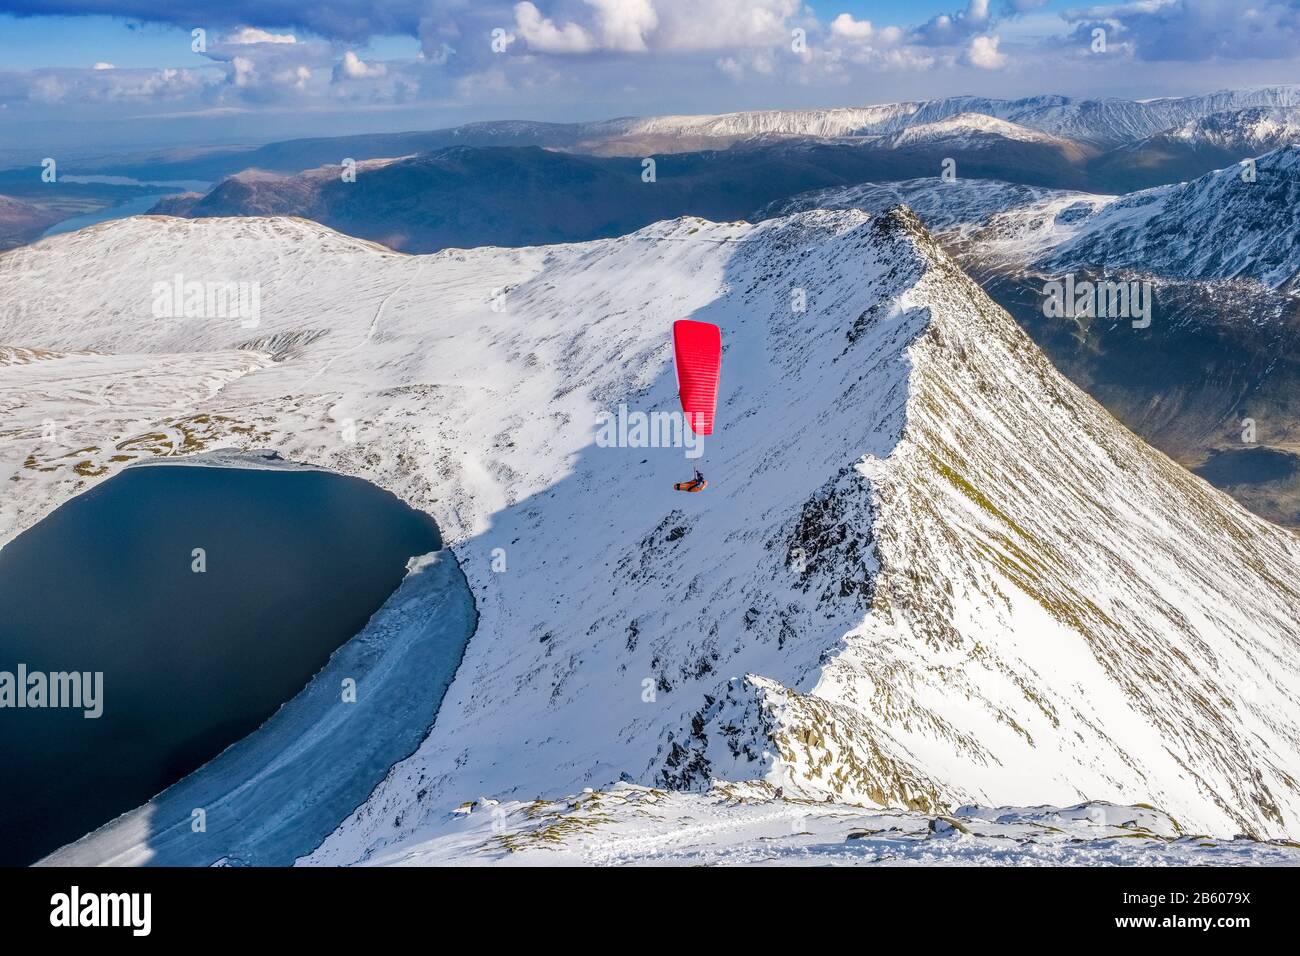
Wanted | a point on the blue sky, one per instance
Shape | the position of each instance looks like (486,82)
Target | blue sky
(124,71)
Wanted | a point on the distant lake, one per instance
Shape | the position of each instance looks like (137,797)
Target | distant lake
(296,562)
(132,207)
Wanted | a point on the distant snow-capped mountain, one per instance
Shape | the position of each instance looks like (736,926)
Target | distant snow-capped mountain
(1259,129)
(928,571)
(1100,124)
(971,130)
(1112,122)
(831,123)
(1197,147)
(1234,223)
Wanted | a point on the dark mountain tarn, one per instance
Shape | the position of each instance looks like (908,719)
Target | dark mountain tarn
(294,564)
(1249,466)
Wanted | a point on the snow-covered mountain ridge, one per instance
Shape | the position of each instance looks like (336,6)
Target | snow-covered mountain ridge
(1232,223)
(1258,128)
(982,221)
(972,131)
(1235,223)
(1220,254)
(928,571)
(1102,123)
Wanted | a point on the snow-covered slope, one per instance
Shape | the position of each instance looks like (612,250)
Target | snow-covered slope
(1220,226)
(821,123)
(1196,147)
(1109,122)
(987,223)
(1220,254)
(1254,130)
(928,570)
(972,131)
(746,825)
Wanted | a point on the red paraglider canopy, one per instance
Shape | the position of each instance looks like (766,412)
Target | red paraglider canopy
(698,349)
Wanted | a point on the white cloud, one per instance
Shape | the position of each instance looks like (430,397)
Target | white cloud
(544,36)
(625,24)
(103,66)
(693,25)
(885,59)
(352,67)
(474,84)
(244,72)
(731,67)
(663,26)
(983,53)
(295,77)
(845,26)
(58,86)
(1196,30)
(904,60)
(246,35)
(944,29)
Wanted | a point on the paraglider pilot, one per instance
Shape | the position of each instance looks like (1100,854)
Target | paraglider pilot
(696,484)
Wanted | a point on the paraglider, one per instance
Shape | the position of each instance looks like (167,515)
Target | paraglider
(695,484)
(697,348)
